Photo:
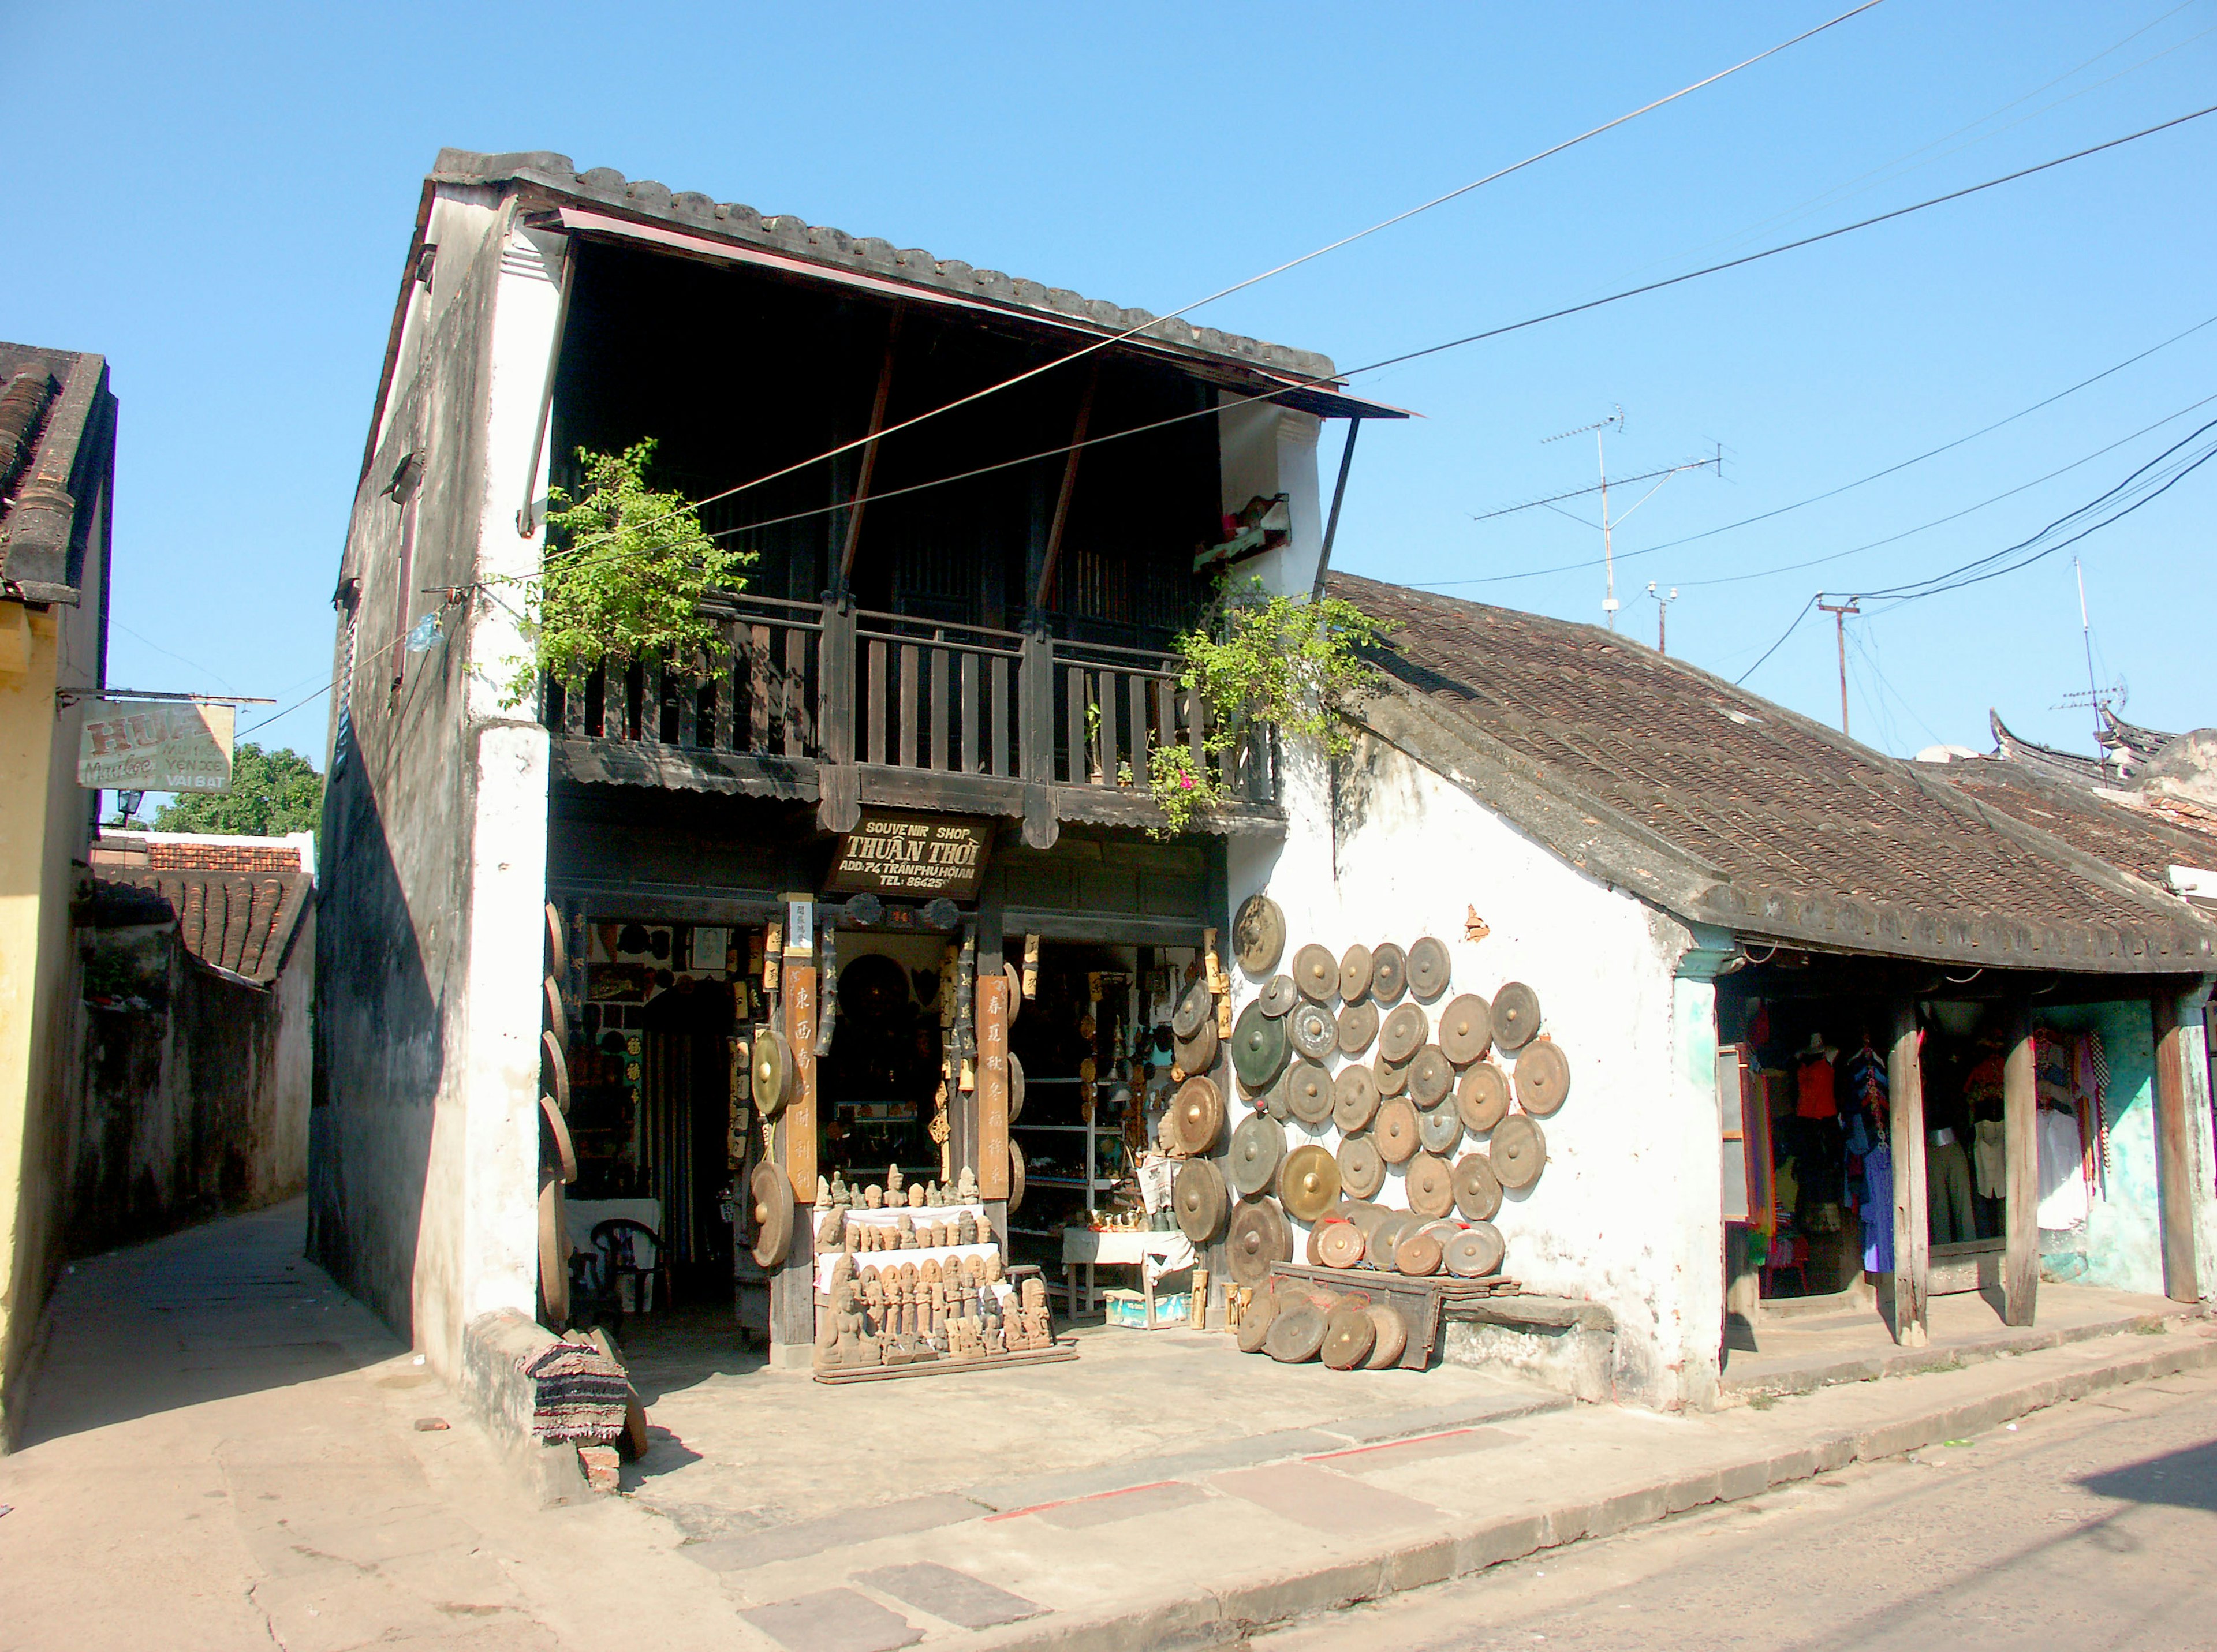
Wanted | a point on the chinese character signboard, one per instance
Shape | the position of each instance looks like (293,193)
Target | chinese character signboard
(889,854)
(152,745)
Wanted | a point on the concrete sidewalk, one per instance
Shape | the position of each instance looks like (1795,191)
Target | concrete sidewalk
(1211,1553)
(222,1452)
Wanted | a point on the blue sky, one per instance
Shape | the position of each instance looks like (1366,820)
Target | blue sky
(225,214)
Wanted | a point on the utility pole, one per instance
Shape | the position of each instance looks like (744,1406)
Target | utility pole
(1840,611)
(1662,616)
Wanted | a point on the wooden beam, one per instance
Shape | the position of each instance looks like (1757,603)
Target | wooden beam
(869,455)
(2020,1151)
(2174,1155)
(1912,1237)
(1069,483)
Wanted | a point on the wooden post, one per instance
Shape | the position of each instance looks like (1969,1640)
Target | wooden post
(2174,1159)
(792,1284)
(1912,1237)
(991,1099)
(2020,1139)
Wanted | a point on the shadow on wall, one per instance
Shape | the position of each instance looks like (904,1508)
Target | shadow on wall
(187,1108)
(379,1055)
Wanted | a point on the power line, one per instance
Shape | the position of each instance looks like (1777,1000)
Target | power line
(1934,586)
(1845,487)
(1291,263)
(1805,609)
(1953,515)
(1478,337)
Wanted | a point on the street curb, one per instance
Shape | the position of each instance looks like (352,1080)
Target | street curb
(1913,1362)
(1243,1609)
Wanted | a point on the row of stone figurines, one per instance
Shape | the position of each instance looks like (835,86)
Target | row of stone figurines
(837,1193)
(903,1233)
(885,1320)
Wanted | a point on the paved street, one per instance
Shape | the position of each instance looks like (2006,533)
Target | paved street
(2091,1525)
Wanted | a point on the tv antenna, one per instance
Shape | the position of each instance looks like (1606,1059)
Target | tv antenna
(1609,524)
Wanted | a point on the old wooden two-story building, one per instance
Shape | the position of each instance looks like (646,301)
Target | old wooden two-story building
(962,627)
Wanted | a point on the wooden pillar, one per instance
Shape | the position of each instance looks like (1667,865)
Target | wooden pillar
(1912,1236)
(2021,1149)
(2173,1157)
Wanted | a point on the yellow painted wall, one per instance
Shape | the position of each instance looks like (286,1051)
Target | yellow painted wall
(44,830)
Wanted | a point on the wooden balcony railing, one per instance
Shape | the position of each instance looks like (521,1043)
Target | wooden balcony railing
(830,684)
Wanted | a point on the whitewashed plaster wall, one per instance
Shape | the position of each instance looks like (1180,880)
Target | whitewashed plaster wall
(497,1055)
(1627,1212)
(1265,449)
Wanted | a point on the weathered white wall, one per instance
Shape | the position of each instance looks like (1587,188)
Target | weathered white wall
(1266,449)
(425,1137)
(1627,1212)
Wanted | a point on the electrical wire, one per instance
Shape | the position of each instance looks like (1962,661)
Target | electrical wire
(1845,487)
(1897,167)
(1471,338)
(1982,569)
(1912,593)
(1292,264)
(1942,522)
(1452,344)
(1805,609)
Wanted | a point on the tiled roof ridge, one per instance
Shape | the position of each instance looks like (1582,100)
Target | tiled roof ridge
(786,233)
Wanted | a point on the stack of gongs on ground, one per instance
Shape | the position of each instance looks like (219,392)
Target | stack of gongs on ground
(1416,1071)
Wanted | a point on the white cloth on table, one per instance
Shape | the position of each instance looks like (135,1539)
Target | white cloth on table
(2062,1172)
(1157,1253)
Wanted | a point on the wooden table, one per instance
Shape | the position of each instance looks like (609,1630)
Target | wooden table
(1152,1252)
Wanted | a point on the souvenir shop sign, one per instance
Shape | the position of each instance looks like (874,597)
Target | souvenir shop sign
(152,745)
(893,854)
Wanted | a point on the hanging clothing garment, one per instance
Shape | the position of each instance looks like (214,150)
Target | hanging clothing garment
(1815,1101)
(1947,1191)
(2062,1172)
(1989,1160)
(1878,1209)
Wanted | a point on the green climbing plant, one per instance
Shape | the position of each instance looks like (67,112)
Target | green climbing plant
(626,568)
(1258,661)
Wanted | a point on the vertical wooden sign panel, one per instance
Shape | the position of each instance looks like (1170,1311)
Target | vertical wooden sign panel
(991,1096)
(801,1106)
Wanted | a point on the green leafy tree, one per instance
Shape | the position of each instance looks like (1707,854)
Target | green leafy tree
(272,792)
(625,570)
(1259,661)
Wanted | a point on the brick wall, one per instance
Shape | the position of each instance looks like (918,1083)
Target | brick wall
(220,857)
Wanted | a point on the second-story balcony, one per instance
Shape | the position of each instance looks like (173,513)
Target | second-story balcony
(841,705)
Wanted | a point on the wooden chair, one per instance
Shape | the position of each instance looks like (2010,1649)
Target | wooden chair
(618,1245)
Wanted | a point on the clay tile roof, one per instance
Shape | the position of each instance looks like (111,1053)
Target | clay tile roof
(1729,810)
(56,443)
(2135,837)
(242,923)
(786,233)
